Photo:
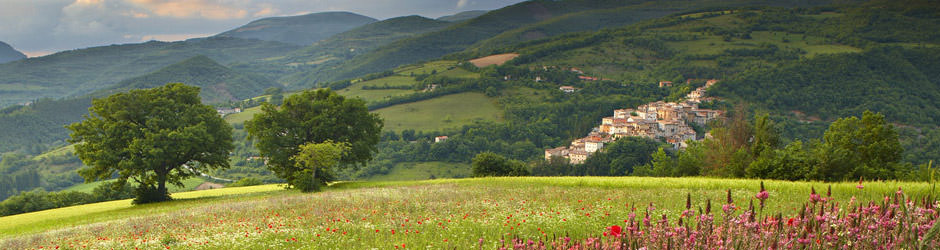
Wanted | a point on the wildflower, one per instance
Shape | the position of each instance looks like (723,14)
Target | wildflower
(762,195)
(860,186)
(614,231)
(813,197)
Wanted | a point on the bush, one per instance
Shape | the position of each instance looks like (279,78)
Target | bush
(491,164)
(107,192)
(244,182)
(305,182)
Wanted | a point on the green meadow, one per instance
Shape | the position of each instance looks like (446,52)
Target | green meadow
(442,213)
(443,112)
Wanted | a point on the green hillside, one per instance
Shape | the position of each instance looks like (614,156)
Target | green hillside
(42,123)
(9,54)
(219,84)
(808,67)
(462,35)
(323,56)
(462,16)
(440,113)
(299,30)
(523,22)
(79,72)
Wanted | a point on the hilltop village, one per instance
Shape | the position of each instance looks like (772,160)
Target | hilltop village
(668,121)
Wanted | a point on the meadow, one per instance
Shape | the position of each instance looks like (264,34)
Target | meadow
(444,213)
(443,112)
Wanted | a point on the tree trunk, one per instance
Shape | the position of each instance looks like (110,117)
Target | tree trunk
(161,183)
(314,175)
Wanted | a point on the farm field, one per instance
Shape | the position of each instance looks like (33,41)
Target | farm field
(440,113)
(244,116)
(370,95)
(444,213)
(493,60)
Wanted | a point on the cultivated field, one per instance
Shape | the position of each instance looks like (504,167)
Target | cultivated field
(493,60)
(463,213)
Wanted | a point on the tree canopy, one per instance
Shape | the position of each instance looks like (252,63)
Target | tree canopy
(314,116)
(151,136)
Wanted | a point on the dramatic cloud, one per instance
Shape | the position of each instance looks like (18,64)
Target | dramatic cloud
(42,26)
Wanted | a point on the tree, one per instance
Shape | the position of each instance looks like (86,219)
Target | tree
(853,148)
(314,116)
(153,137)
(316,157)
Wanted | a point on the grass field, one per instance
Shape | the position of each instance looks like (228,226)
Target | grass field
(242,117)
(410,171)
(370,95)
(443,213)
(27,223)
(56,152)
(440,113)
(388,81)
(426,68)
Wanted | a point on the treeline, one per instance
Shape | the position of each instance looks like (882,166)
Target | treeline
(37,200)
(32,129)
(20,173)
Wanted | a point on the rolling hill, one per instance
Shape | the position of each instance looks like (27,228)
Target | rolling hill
(299,30)
(463,16)
(322,56)
(79,72)
(219,84)
(9,54)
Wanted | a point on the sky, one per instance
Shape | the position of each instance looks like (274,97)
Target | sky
(40,27)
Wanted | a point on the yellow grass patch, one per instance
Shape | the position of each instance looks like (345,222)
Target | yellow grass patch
(493,60)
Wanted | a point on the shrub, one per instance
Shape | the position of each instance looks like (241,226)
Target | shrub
(491,164)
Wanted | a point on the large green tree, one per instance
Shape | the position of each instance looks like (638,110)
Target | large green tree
(314,116)
(153,137)
(853,148)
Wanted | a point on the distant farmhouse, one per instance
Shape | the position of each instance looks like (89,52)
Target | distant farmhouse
(227,111)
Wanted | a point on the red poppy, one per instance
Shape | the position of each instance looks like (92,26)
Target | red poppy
(614,230)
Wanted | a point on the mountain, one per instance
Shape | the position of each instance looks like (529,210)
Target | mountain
(79,72)
(463,16)
(299,30)
(326,54)
(218,83)
(9,54)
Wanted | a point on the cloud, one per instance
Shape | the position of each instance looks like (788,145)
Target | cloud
(193,8)
(55,25)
